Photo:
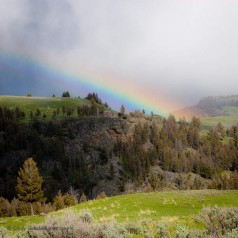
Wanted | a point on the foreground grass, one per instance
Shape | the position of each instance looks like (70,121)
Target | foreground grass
(158,205)
(18,223)
(174,207)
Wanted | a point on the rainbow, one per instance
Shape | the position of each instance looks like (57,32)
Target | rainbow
(115,95)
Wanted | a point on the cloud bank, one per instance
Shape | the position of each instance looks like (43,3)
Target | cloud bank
(178,50)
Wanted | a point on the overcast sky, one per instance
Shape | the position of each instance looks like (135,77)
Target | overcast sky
(181,50)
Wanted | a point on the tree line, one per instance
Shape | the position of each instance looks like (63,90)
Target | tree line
(180,147)
(66,156)
(30,199)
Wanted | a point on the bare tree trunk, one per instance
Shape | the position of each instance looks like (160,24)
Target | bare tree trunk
(32,210)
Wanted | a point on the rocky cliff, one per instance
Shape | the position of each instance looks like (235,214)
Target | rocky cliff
(74,152)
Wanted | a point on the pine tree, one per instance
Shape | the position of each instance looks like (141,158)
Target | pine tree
(122,110)
(103,194)
(83,198)
(58,201)
(98,197)
(195,123)
(112,171)
(4,207)
(66,94)
(29,183)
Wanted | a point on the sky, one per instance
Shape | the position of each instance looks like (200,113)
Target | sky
(169,53)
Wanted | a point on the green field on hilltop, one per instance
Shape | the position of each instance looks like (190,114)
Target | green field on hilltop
(47,105)
(167,207)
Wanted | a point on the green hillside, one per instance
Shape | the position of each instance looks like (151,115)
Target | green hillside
(171,207)
(48,106)
(158,205)
(228,118)
(219,106)
(230,110)
(213,110)
(226,121)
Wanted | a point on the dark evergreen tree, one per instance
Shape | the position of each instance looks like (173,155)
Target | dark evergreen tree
(66,94)
(29,183)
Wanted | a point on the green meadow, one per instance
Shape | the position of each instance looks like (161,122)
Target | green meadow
(226,121)
(47,105)
(158,205)
(172,207)
(230,110)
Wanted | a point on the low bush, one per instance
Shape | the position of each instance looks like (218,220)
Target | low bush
(219,221)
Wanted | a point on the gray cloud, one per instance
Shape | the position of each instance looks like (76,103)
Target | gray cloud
(182,50)
(39,25)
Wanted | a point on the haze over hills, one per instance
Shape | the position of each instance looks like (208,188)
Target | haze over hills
(211,107)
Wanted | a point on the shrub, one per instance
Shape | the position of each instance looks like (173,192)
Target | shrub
(4,233)
(37,207)
(69,200)
(219,221)
(48,207)
(103,195)
(70,224)
(134,228)
(183,232)
(83,198)
(233,233)
(85,216)
(23,209)
(98,197)
(163,231)
(115,230)
(14,207)
(58,201)
(4,207)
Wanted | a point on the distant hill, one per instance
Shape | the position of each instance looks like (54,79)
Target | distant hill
(212,107)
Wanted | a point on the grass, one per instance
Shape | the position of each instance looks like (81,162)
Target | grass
(46,105)
(230,110)
(173,207)
(226,121)
(157,205)
(17,223)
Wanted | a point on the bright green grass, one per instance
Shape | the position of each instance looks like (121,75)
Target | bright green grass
(45,104)
(226,121)
(167,207)
(16,223)
(156,205)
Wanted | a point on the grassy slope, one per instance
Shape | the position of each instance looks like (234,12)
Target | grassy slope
(157,205)
(226,121)
(231,111)
(46,105)
(172,207)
